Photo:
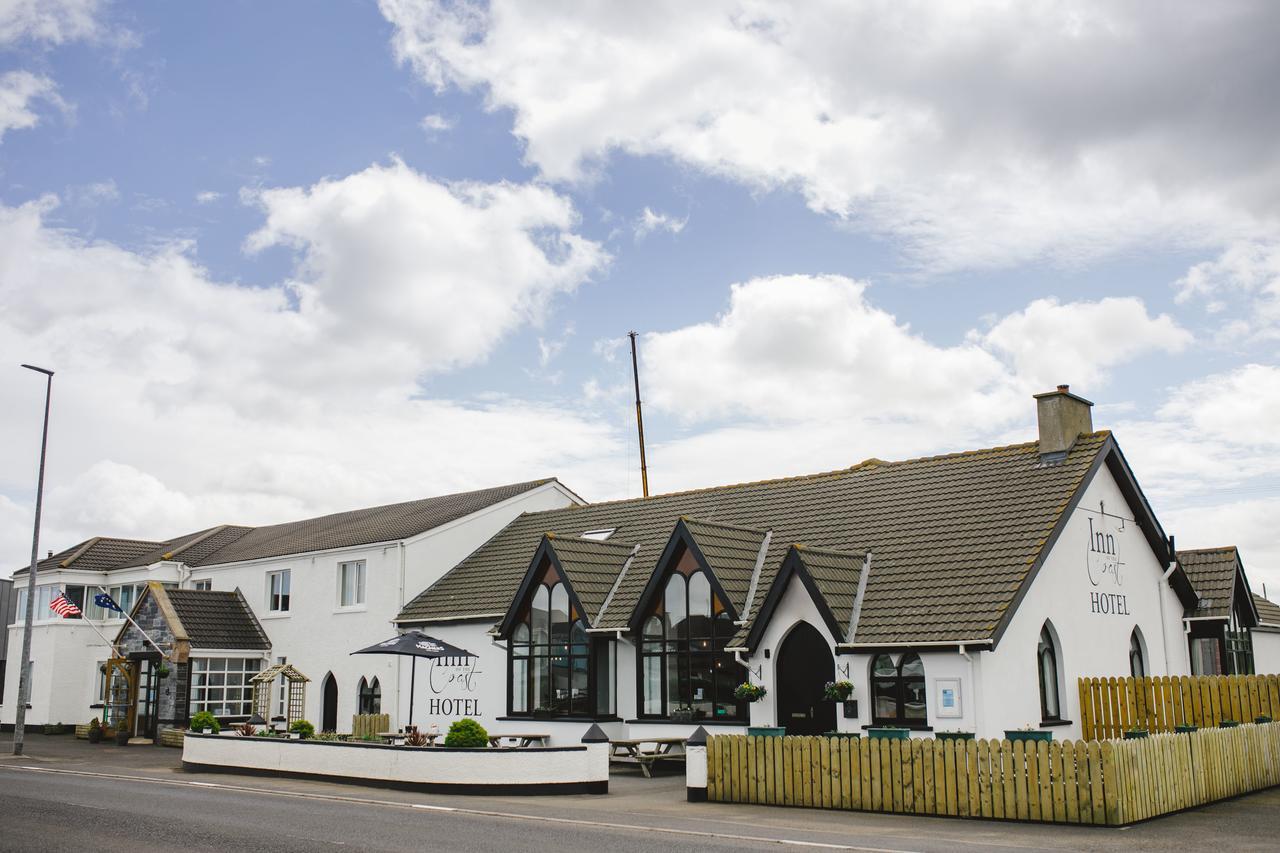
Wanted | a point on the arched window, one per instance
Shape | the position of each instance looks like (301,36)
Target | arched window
(685,674)
(1137,658)
(550,653)
(370,696)
(898,694)
(1047,664)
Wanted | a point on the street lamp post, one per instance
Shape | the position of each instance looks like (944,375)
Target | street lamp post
(24,665)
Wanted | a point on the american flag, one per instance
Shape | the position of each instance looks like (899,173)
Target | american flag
(64,606)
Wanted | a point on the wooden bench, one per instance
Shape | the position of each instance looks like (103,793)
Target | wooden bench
(525,740)
(647,751)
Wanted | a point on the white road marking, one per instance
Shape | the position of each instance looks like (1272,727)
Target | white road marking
(471,812)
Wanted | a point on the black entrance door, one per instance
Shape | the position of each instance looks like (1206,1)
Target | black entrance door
(804,667)
(329,717)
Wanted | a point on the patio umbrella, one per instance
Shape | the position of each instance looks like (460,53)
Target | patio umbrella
(415,644)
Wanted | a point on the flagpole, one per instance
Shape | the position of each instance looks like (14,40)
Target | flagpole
(145,635)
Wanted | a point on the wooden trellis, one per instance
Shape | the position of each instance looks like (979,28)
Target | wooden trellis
(263,683)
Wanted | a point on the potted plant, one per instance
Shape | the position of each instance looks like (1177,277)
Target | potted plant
(466,734)
(246,730)
(205,723)
(162,671)
(845,735)
(122,736)
(1027,733)
(302,730)
(954,734)
(889,732)
(838,691)
(682,714)
(1229,724)
(1185,729)
(416,738)
(748,692)
(95,731)
(1136,734)
(1262,718)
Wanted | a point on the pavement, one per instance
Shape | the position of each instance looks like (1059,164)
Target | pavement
(64,794)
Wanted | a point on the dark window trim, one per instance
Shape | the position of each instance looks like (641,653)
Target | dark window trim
(1048,724)
(900,683)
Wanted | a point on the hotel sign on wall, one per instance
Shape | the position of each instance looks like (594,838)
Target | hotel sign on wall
(1104,566)
(455,678)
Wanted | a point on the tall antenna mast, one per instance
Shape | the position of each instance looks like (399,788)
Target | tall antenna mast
(635,372)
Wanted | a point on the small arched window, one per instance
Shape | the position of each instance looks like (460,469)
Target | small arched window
(369,696)
(897,690)
(1137,658)
(1047,664)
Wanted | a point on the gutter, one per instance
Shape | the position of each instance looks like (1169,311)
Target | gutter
(855,647)
(1164,629)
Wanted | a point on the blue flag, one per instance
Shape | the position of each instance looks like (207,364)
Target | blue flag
(106,602)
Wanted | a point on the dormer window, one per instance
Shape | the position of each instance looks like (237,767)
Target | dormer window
(601,534)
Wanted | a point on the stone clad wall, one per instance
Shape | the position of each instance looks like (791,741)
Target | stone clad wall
(172,693)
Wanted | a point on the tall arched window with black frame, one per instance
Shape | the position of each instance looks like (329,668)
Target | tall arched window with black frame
(556,668)
(1047,665)
(898,694)
(685,673)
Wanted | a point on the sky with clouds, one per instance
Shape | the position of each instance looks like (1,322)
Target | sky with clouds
(291,258)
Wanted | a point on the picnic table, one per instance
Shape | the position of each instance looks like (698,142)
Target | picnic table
(495,740)
(647,751)
(397,738)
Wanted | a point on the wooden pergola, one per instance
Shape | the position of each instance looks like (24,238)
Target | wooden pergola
(297,682)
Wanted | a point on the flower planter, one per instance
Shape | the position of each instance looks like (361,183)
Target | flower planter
(845,735)
(765,731)
(122,738)
(888,733)
(1014,735)
(1229,724)
(1185,730)
(95,735)
(1136,734)
(1262,718)
(954,735)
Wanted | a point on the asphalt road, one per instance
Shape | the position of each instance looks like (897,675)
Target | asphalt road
(56,811)
(67,794)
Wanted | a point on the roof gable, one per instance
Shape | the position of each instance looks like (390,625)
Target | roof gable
(589,568)
(730,547)
(832,579)
(1268,613)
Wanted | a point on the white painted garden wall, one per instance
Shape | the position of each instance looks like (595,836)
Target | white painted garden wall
(583,768)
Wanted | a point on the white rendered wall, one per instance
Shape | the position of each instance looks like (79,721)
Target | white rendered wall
(1266,652)
(587,763)
(1090,643)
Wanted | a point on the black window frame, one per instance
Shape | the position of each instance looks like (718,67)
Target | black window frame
(599,701)
(896,687)
(369,696)
(1049,648)
(682,652)
(1137,650)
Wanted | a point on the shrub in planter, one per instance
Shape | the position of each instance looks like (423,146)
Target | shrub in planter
(1135,734)
(889,732)
(416,738)
(1014,735)
(122,737)
(467,734)
(1262,718)
(1229,724)
(838,691)
(302,729)
(954,735)
(1185,730)
(205,720)
(246,730)
(682,714)
(748,692)
(95,731)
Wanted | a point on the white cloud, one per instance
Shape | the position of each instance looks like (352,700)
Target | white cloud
(649,221)
(1241,406)
(978,134)
(53,21)
(413,275)
(94,194)
(182,401)
(18,91)
(1242,285)
(207,197)
(434,124)
(1050,343)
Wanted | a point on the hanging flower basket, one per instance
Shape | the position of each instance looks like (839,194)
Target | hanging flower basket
(748,692)
(838,691)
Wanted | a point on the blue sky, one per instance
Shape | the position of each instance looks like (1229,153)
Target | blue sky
(291,257)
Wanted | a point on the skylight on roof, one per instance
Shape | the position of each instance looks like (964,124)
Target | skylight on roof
(601,534)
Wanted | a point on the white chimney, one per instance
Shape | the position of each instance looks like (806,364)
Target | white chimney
(1062,417)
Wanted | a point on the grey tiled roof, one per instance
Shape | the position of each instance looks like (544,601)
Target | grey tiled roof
(731,553)
(954,537)
(99,554)
(592,567)
(362,526)
(191,548)
(1268,612)
(1212,572)
(216,619)
(836,574)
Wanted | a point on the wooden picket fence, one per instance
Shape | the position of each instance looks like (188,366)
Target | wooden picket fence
(365,725)
(1111,706)
(1106,783)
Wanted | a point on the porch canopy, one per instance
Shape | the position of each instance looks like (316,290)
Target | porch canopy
(416,644)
